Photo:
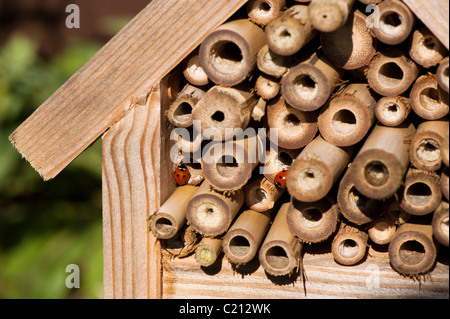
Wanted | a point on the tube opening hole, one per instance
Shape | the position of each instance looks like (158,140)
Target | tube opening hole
(219,117)
(429,43)
(390,74)
(227,56)
(356,199)
(348,248)
(227,166)
(265,7)
(311,217)
(183,112)
(344,122)
(285,159)
(309,179)
(291,120)
(412,252)
(239,246)
(391,23)
(163,225)
(429,99)
(418,194)
(277,257)
(306,88)
(428,150)
(376,173)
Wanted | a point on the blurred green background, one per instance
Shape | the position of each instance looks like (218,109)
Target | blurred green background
(45,226)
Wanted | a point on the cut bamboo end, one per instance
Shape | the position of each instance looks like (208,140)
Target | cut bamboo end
(210,213)
(348,117)
(349,246)
(312,222)
(316,169)
(445,182)
(243,239)
(180,112)
(395,213)
(228,166)
(382,230)
(207,251)
(290,32)
(425,49)
(308,85)
(393,110)
(351,46)
(445,151)
(277,160)
(412,251)
(171,217)
(228,55)
(295,128)
(329,15)
(442,74)
(261,194)
(391,73)
(354,206)
(271,63)
(267,87)
(440,224)
(421,194)
(193,71)
(222,110)
(262,12)
(381,163)
(428,100)
(279,254)
(425,152)
(395,22)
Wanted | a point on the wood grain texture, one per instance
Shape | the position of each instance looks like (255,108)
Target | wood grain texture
(184,279)
(435,15)
(106,87)
(133,150)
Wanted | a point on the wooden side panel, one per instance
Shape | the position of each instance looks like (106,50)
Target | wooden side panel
(434,14)
(106,87)
(372,279)
(132,191)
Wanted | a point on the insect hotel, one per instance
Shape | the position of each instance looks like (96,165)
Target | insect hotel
(265,148)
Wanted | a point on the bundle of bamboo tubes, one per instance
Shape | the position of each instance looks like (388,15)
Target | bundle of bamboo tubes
(357,109)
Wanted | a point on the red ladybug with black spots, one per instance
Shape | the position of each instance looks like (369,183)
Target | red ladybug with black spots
(181,175)
(280,179)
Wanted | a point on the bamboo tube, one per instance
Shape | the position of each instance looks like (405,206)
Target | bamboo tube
(243,239)
(290,32)
(421,194)
(295,128)
(382,230)
(393,110)
(193,71)
(271,63)
(349,246)
(329,15)
(223,109)
(169,219)
(395,22)
(228,166)
(261,194)
(381,163)
(208,250)
(445,182)
(395,213)
(351,46)
(391,73)
(442,74)
(280,252)
(348,117)
(425,151)
(180,112)
(428,100)
(354,206)
(228,54)
(312,222)
(440,224)
(308,85)
(445,151)
(278,160)
(316,169)
(412,251)
(425,49)
(210,213)
(259,110)
(262,12)
(267,86)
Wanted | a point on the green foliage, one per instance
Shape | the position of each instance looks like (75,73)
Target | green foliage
(45,226)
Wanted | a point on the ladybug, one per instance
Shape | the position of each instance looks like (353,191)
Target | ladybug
(181,174)
(280,179)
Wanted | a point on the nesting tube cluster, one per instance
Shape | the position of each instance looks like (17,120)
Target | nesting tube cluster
(306,123)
